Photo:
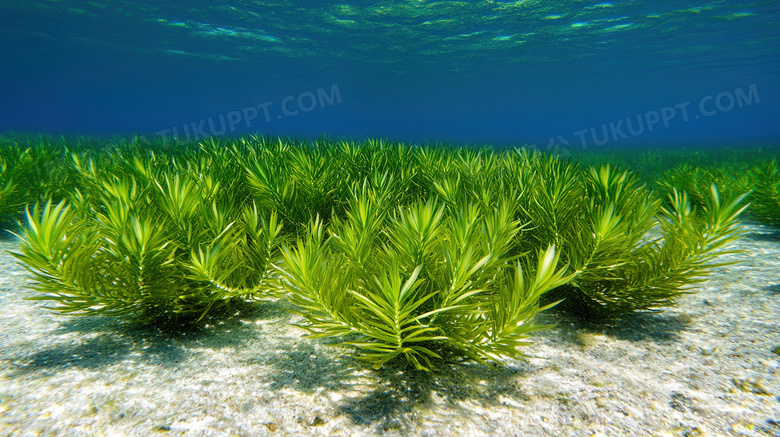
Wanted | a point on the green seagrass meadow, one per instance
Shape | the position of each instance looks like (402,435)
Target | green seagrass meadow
(432,252)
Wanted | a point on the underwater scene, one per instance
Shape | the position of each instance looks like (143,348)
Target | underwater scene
(433,218)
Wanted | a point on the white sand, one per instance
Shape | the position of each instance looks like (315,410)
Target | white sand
(703,368)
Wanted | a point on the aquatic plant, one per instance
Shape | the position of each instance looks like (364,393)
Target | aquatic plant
(764,179)
(652,163)
(696,182)
(162,247)
(600,219)
(638,273)
(28,173)
(603,219)
(419,282)
(761,179)
(430,253)
(10,199)
(298,183)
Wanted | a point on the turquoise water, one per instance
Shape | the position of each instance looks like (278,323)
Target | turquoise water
(582,74)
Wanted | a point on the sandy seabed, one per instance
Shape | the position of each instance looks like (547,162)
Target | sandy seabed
(706,367)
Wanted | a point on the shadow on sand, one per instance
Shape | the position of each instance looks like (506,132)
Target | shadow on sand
(105,341)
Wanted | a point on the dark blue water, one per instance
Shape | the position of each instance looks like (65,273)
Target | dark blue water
(578,73)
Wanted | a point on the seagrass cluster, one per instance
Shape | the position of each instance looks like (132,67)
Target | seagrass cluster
(30,169)
(735,169)
(761,181)
(426,252)
(764,181)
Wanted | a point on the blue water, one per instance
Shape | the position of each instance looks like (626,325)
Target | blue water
(583,74)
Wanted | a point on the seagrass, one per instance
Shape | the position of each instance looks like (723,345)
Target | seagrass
(764,179)
(427,253)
